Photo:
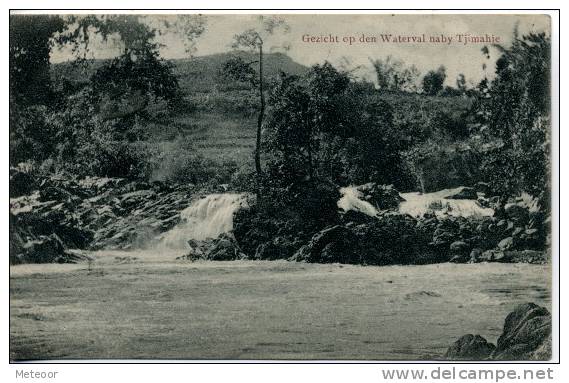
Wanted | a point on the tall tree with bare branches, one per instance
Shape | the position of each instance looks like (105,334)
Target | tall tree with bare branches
(254,40)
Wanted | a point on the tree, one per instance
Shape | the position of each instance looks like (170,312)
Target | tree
(254,39)
(322,125)
(237,69)
(461,84)
(31,41)
(124,85)
(393,75)
(114,98)
(434,80)
(516,116)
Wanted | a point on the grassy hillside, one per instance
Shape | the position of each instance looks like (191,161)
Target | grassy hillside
(219,122)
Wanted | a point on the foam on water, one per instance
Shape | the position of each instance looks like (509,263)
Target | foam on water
(212,215)
(417,204)
(352,200)
(205,218)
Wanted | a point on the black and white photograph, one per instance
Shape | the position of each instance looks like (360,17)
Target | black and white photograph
(280,186)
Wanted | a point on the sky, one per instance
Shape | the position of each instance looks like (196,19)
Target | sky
(307,45)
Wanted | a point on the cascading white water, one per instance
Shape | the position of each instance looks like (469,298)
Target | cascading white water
(351,200)
(416,204)
(205,218)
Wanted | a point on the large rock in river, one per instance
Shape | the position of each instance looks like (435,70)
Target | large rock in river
(470,347)
(526,336)
(526,330)
(222,248)
(277,248)
(333,244)
(464,193)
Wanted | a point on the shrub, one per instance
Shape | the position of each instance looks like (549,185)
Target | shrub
(178,162)
(31,136)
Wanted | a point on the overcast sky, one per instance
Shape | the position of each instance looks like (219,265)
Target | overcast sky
(456,57)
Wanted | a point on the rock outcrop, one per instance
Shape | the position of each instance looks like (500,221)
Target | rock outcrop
(470,347)
(91,213)
(464,193)
(331,245)
(222,248)
(526,336)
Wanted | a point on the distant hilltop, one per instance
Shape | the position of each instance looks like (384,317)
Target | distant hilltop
(197,74)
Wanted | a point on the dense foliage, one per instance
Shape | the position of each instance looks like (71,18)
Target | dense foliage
(434,80)
(94,128)
(30,45)
(322,127)
(515,110)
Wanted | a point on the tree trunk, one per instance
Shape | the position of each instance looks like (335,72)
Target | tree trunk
(260,118)
(310,165)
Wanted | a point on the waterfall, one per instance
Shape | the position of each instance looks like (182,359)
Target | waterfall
(352,200)
(205,218)
(417,204)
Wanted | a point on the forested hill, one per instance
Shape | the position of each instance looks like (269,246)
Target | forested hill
(201,73)
(197,74)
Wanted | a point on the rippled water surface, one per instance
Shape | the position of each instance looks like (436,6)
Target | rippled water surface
(147,305)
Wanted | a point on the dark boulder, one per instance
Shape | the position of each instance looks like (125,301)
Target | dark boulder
(222,248)
(395,238)
(505,226)
(331,245)
(475,255)
(526,336)
(517,214)
(459,247)
(484,188)
(506,244)
(514,256)
(446,232)
(32,225)
(277,248)
(384,197)
(43,249)
(526,330)
(225,248)
(21,183)
(533,238)
(543,352)
(460,252)
(492,256)
(470,347)
(464,193)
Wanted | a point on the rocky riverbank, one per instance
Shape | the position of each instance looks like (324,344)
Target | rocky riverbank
(50,216)
(378,232)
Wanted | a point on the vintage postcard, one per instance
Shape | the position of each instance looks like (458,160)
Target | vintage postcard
(298,187)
